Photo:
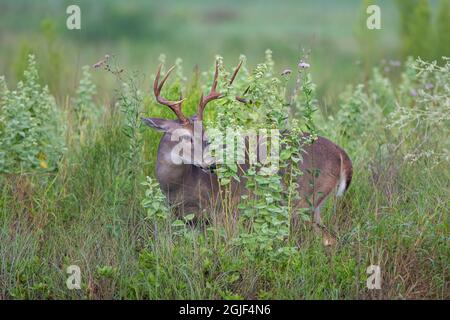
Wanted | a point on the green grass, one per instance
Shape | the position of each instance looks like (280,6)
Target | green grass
(89,215)
(88,212)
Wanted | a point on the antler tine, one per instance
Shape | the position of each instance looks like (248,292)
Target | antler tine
(213,95)
(216,75)
(241,99)
(235,72)
(175,106)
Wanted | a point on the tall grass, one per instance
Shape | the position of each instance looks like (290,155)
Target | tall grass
(92,212)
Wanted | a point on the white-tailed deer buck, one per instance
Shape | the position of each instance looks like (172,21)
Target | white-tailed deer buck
(192,186)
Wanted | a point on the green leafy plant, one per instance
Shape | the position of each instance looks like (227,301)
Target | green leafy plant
(31,133)
(427,113)
(266,213)
(87,113)
(154,201)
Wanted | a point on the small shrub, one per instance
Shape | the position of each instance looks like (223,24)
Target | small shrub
(154,201)
(30,128)
(426,117)
(86,112)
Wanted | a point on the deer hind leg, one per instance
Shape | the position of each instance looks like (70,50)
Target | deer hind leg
(317,220)
(316,223)
(319,227)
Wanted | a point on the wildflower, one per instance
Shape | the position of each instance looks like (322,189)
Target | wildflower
(43,164)
(286,72)
(98,64)
(303,65)
(101,62)
(413,92)
(42,160)
(429,86)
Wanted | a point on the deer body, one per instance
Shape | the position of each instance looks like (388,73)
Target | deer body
(194,186)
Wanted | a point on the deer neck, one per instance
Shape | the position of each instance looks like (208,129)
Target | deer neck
(169,174)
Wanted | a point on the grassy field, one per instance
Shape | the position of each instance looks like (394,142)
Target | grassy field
(72,194)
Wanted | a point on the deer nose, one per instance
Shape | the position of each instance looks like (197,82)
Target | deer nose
(212,167)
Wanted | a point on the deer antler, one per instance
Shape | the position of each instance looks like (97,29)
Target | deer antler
(236,72)
(175,106)
(214,94)
(238,98)
(241,99)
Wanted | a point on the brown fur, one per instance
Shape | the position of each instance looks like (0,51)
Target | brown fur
(191,189)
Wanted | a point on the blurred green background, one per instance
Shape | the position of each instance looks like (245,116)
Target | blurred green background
(136,32)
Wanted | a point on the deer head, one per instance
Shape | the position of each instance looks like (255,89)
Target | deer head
(184,138)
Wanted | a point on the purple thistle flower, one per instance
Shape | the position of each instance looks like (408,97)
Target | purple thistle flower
(303,65)
(101,62)
(98,64)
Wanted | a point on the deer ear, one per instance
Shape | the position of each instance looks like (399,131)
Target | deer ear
(163,125)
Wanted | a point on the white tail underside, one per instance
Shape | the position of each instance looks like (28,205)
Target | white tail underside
(342,181)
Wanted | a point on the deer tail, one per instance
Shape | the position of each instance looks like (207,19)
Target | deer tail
(346,172)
